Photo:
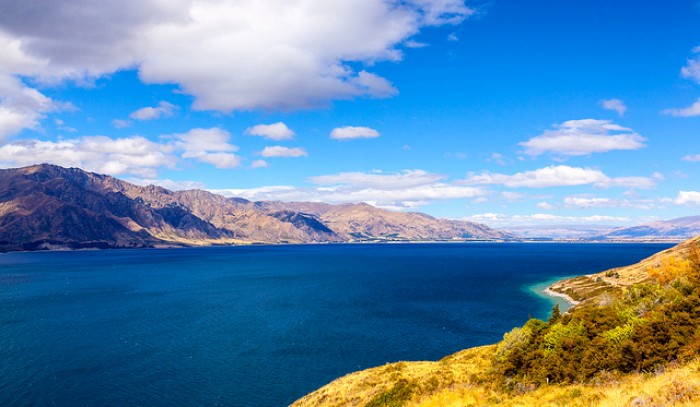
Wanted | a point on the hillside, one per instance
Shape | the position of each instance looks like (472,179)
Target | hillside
(634,340)
(48,207)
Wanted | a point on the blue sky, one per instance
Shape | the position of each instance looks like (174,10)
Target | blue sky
(503,112)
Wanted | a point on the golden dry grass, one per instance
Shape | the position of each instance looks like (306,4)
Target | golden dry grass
(458,381)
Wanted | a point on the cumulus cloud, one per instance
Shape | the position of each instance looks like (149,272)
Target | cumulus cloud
(557,176)
(583,137)
(280,151)
(230,55)
(133,155)
(689,198)
(614,104)
(164,109)
(692,69)
(351,132)
(21,107)
(210,146)
(404,190)
(275,131)
(690,111)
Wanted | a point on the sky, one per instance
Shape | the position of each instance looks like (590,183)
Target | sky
(503,112)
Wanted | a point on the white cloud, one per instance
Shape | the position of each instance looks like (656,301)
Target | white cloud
(134,155)
(689,198)
(614,104)
(692,157)
(692,69)
(259,164)
(546,206)
(121,123)
(414,44)
(167,183)
(21,107)
(164,109)
(583,137)
(210,146)
(230,55)
(204,140)
(540,219)
(498,159)
(351,132)
(587,202)
(558,176)
(405,190)
(275,131)
(452,37)
(280,151)
(690,111)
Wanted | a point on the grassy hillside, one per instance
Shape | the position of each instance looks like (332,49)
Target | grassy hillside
(633,340)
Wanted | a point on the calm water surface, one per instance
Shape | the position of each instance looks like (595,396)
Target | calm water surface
(259,326)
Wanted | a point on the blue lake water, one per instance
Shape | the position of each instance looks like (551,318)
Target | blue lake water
(262,325)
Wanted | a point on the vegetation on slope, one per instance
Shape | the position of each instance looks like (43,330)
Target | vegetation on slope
(634,339)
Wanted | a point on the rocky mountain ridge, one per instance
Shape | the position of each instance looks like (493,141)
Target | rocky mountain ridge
(47,207)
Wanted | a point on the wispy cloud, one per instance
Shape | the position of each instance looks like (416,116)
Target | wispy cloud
(543,219)
(164,109)
(404,190)
(614,104)
(275,131)
(583,137)
(280,151)
(690,111)
(588,202)
(692,69)
(352,132)
(558,176)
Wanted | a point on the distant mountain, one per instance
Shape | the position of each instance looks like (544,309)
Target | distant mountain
(564,232)
(48,207)
(674,229)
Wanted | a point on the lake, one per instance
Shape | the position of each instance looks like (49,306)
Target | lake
(260,325)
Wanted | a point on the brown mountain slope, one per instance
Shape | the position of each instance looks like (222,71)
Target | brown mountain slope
(365,222)
(46,206)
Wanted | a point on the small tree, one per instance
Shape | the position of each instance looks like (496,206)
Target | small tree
(556,315)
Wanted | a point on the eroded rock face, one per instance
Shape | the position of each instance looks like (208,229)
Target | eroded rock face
(46,206)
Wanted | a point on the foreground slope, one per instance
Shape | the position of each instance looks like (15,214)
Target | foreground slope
(46,206)
(632,341)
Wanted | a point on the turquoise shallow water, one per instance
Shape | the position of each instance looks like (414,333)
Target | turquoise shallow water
(259,326)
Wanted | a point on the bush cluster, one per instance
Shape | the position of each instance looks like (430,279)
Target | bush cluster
(643,329)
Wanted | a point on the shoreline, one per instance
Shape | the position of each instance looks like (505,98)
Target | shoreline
(548,291)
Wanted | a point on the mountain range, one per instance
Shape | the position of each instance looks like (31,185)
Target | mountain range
(673,230)
(51,207)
